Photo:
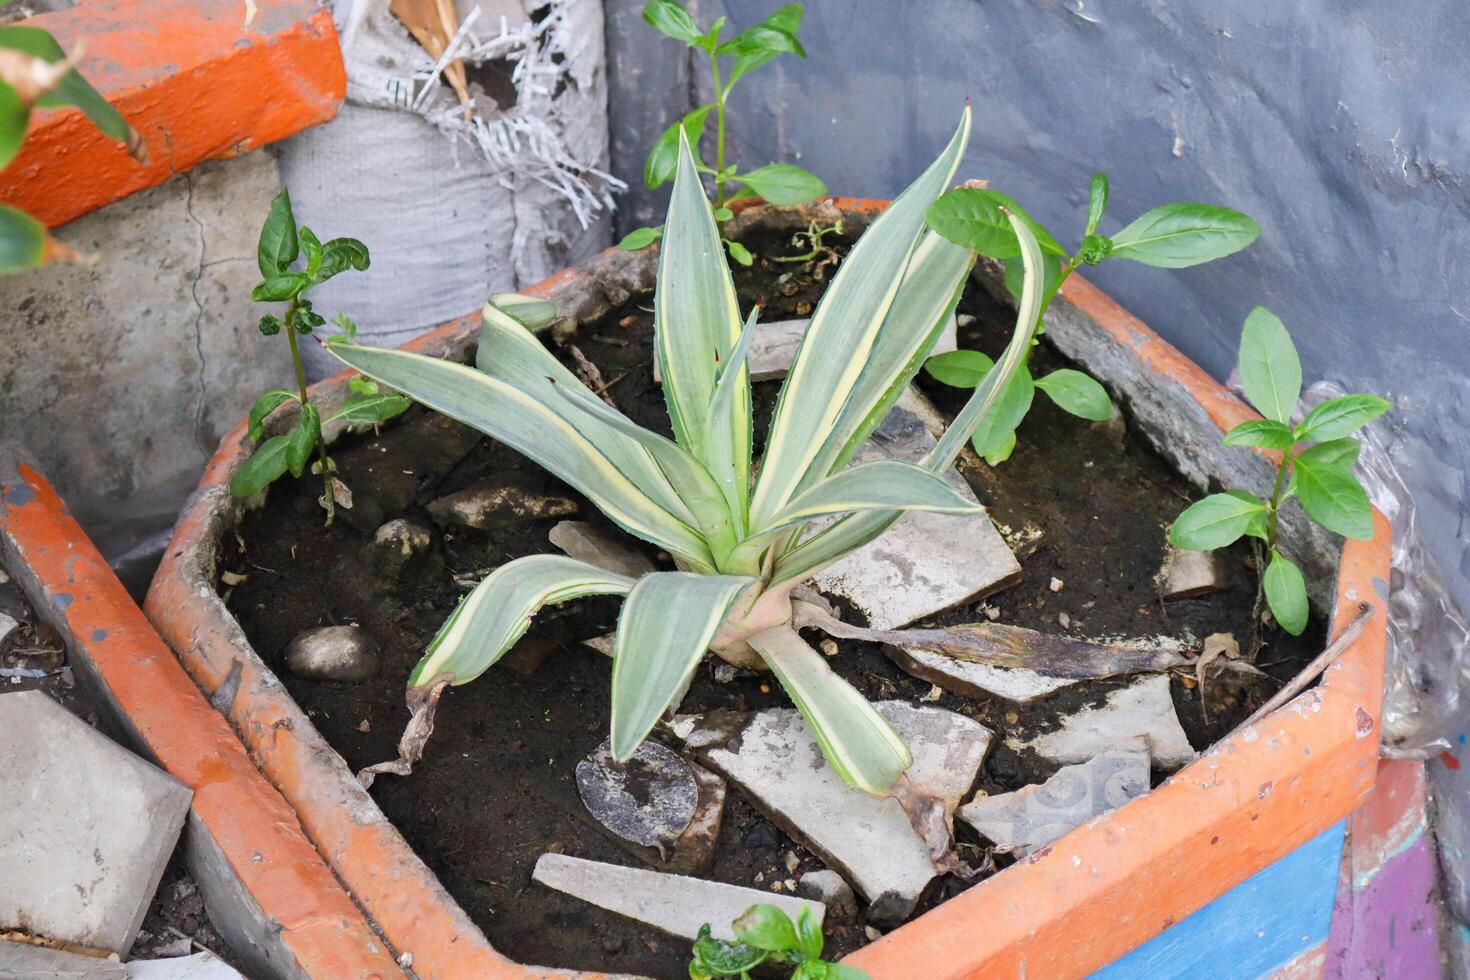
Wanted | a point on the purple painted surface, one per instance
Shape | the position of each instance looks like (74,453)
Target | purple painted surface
(1388,928)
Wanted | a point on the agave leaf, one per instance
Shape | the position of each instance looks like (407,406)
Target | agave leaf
(860,745)
(836,346)
(665,628)
(696,324)
(498,612)
(926,299)
(687,475)
(851,533)
(730,404)
(531,312)
(532,428)
(509,352)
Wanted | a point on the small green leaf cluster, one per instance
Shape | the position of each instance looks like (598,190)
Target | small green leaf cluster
(777,183)
(1172,236)
(765,934)
(1317,459)
(36,74)
(281,244)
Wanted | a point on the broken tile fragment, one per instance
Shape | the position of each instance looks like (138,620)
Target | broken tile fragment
(1143,708)
(925,563)
(975,680)
(829,888)
(1034,816)
(1189,574)
(676,904)
(87,826)
(200,966)
(773,758)
(498,505)
(20,960)
(588,542)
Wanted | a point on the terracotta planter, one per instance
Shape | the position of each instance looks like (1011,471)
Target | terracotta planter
(1097,893)
(267,889)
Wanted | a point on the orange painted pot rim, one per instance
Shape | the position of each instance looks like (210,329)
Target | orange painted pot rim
(249,831)
(1100,891)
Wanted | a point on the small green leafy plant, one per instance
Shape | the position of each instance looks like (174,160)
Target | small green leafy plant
(741,545)
(1173,236)
(36,74)
(777,183)
(1319,474)
(281,244)
(765,934)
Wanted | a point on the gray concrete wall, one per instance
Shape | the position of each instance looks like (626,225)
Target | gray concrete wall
(1341,127)
(122,376)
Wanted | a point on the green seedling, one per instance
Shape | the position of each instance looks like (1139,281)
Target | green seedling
(766,935)
(36,74)
(281,244)
(814,235)
(1173,236)
(1317,459)
(777,183)
(741,545)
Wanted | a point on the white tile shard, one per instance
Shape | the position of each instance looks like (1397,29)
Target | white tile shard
(772,757)
(976,680)
(925,563)
(676,904)
(1143,708)
(1032,817)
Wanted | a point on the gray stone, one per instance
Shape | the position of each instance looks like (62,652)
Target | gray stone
(26,961)
(925,563)
(773,758)
(649,800)
(200,966)
(498,505)
(975,680)
(341,654)
(676,904)
(399,544)
(8,625)
(1034,816)
(596,546)
(1189,574)
(1143,708)
(164,318)
(829,888)
(773,349)
(87,826)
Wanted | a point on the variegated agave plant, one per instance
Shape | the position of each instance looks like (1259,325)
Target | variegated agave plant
(741,546)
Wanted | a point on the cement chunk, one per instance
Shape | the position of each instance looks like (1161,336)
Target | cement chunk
(925,563)
(673,903)
(1031,818)
(1189,574)
(975,680)
(648,800)
(200,966)
(590,543)
(773,349)
(773,758)
(1144,708)
(86,827)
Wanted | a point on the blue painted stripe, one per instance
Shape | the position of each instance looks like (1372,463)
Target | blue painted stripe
(1252,930)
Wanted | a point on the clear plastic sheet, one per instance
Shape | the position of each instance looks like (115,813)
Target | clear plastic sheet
(1428,675)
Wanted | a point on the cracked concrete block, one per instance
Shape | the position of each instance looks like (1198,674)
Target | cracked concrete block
(86,828)
(132,369)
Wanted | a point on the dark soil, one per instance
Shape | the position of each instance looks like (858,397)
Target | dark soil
(176,923)
(496,787)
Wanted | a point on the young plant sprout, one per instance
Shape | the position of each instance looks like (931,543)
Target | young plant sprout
(813,235)
(777,183)
(1173,236)
(766,935)
(742,546)
(1320,476)
(36,74)
(281,243)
